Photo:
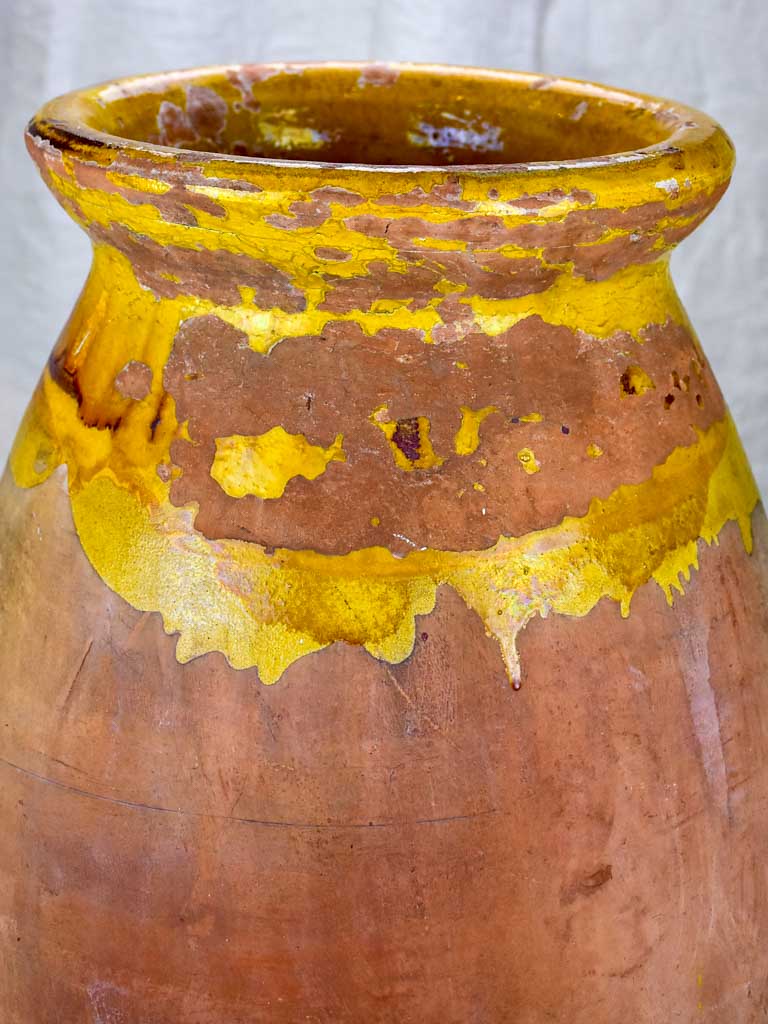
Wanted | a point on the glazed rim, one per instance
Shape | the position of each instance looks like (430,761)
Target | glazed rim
(625,128)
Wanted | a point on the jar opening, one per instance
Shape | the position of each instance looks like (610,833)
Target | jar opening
(385,115)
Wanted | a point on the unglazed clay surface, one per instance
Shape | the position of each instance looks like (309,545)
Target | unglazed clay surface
(379,392)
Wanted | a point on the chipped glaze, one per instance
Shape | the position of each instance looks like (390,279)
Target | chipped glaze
(201,254)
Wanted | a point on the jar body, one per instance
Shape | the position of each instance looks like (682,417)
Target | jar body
(388,623)
(411,841)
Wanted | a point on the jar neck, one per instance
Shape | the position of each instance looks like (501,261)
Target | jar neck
(263,207)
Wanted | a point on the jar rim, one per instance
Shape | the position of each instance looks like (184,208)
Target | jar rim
(71,123)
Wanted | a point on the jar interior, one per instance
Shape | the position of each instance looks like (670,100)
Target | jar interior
(377,115)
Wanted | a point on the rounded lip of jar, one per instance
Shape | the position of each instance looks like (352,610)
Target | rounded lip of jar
(61,125)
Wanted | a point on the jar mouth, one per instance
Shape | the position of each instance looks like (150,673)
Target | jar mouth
(377,117)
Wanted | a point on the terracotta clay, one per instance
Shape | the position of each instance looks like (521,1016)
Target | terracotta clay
(384,587)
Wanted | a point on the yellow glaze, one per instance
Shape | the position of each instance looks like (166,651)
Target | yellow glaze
(468,435)
(263,465)
(528,461)
(629,301)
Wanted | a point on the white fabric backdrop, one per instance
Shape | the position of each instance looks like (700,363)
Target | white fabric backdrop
(708,53)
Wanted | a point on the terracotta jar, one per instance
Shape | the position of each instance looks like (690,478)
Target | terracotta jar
(383,594)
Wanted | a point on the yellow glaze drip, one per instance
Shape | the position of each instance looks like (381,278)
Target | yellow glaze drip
(263,465)
(268,610)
